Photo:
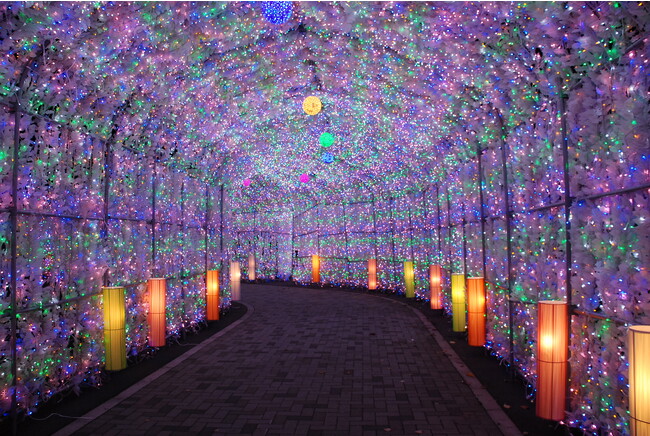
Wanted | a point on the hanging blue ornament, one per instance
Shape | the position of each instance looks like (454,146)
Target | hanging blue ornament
(327,157)
(277,12)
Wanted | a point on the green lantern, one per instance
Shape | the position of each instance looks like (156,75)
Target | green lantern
(326,139)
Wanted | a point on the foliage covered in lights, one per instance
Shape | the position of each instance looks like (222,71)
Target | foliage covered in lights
(409,91)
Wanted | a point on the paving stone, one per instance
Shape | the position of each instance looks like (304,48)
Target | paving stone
(308,362)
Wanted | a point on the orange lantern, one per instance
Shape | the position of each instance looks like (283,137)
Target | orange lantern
(251,267)
(372,274)
(235,281)
(476,311)
(157,289)
(435,286)
(212,294)
(552,358)
(114,327)
(638,344)
(315,268)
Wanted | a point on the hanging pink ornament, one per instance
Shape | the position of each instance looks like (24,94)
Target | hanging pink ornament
(304,178)
(247,182)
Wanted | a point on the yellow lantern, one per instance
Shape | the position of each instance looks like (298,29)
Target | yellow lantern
(552,358)
(212,294)
(638,345)
(312,105)
(458,302)
(435,286)
(476,311)
(114,327)
(409,279)
(157,289)
(235,281)
(315,268)
(251,267)
(372,274)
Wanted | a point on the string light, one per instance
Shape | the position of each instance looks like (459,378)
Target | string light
(213,91)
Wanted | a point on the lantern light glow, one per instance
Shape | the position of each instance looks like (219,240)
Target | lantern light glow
(552,358)
(157,289)
(114,327)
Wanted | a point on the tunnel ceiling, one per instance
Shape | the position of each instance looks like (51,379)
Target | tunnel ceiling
(217,88)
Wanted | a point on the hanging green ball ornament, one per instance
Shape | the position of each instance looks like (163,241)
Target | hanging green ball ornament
(326,139)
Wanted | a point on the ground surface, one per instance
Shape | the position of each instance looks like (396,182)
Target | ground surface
(309,362)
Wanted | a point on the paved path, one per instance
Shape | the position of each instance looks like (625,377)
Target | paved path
(308,362)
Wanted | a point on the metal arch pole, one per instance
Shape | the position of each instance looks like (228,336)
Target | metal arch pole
(508,216)
(479,154)
(567,217)
(374,225)
(391,203)
(463,223)
(207,224)
(13,216)
(451,265)
(347,242)
(411,233)
(293,242)
(567,194)
(154,177)
(425,208)
(221,228)
(439,223)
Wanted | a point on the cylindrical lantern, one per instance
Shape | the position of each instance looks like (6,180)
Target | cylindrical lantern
(372,274)
(157,289)
(435,286)
(315,268)
(409,279)
(458,302)
(638,345)
(251,267)
(476,311)
(212,294)
(552,357)
(235,281)
(114,327)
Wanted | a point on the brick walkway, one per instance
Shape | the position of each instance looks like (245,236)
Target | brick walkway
(308,362)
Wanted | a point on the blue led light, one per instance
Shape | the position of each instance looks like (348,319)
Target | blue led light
(327,157)
(277,12)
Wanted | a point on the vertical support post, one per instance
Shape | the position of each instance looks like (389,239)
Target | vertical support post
(567,215)
(410,233)
(463,223)
(293,241)
(182,245)
(206,225)
(345,233)
(317,234)
(13,216)
(427,224)
(154,261)
(107,177)
(439,222)
(256,235)
(508,216)
(567,192)
(221,228)
(392,230)
(479,163)
(451,265)
(374,226)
